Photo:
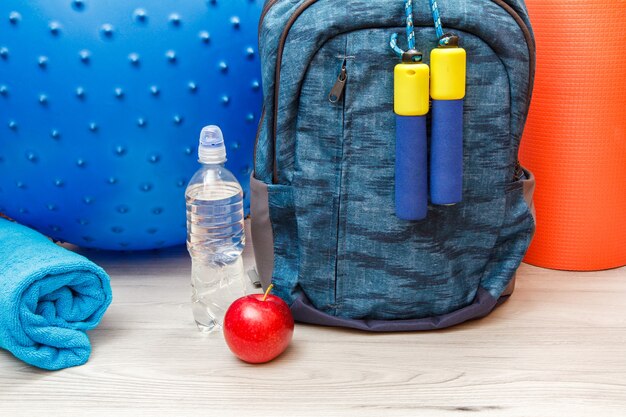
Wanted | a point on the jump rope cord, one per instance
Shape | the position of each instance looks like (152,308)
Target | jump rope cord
(434,9)
(410,32)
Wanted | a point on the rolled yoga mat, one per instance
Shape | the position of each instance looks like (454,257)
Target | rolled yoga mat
(49,298)
(575,137)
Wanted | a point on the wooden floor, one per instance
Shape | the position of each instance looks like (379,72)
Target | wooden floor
(557,348)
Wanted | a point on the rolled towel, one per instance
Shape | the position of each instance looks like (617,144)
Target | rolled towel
(49,298)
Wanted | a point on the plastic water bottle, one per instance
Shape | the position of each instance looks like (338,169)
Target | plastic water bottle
(215,233)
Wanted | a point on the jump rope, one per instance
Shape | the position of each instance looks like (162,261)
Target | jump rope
(414,83)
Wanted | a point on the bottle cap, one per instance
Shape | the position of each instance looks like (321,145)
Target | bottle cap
(211,149)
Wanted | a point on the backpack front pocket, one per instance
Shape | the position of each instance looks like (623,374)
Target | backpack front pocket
(317,173)
(389,268)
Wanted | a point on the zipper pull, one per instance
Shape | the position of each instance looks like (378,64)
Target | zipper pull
(340,85)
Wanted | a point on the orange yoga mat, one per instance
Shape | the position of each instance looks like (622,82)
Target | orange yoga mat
(575,139)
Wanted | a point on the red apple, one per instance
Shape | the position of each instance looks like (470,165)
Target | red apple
(258,327)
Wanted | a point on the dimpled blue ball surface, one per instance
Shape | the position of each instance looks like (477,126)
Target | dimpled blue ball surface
(101,105)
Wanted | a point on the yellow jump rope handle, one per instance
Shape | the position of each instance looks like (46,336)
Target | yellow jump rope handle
(448,73)
(411,89)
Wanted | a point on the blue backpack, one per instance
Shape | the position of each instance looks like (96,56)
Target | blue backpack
(324,227)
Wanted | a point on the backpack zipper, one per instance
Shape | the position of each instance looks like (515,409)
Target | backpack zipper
(266,8)
(340,85)
(306,4)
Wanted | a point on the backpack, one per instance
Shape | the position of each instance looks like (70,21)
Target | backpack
(324,228)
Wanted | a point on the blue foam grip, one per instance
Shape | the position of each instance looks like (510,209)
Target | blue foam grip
(446,152)
(101,106)
(411,168)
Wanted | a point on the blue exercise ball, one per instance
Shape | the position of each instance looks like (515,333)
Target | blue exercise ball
(101,106)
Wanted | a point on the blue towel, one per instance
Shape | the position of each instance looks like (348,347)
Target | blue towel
(49,298)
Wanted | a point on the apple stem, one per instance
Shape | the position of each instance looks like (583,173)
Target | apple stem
(267,292)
